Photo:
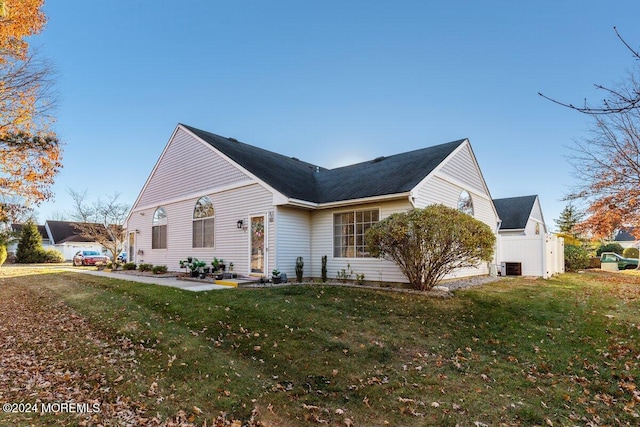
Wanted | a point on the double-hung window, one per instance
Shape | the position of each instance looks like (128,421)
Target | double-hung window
(203,222)
(159,229)
(349,229)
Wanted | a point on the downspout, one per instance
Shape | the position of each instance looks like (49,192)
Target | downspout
(497,251)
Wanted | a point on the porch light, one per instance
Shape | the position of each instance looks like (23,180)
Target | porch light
(240,223)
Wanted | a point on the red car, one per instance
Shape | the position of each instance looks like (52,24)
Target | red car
(89,258)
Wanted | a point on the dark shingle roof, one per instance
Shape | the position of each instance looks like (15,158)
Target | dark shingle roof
(625,235)
(289,176)
(41,229)
(65,231)
(395,174)
(300,180)
(514,211)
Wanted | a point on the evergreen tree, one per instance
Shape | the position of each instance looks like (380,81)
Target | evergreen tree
(30,244)
(569,217)
(5,237)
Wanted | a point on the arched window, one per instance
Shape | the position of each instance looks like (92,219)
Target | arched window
(203,222)
(465,203)
(159,229)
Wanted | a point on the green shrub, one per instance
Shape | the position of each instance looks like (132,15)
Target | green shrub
(575,258)
(627,253)
(129,266)
(429,243)
(145,267)
(324,268)
(50,256)
(344,274)
(299,268)
(159,269)
(610,247)
(3,254)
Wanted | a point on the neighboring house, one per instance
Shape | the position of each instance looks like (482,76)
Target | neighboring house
(62,236)
(210,195)
(524,239)
(626,238)
(66,238)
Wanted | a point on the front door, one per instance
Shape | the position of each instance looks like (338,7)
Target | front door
(132,247)
(258,237)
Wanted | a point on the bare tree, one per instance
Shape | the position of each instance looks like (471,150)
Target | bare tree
(616,100)
(101,221)
(606,163)
(27,97)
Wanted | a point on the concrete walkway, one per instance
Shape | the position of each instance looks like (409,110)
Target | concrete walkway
(162,281)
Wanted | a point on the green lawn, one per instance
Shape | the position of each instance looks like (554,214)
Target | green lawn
(524,352)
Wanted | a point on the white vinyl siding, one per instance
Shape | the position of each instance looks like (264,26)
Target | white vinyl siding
(293,240)
(536,218)
(184,159)
(231,243)
(460,173)
(438,190)
(463,167)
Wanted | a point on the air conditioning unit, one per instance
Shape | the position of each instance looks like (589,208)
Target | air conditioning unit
(511,269)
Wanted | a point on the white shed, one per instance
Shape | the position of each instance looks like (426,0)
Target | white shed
(525,247)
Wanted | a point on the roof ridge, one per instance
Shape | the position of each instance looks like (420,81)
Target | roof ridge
(298,179)
(234,140)
(404,153)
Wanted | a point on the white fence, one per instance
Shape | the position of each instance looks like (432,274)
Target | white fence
(539,255)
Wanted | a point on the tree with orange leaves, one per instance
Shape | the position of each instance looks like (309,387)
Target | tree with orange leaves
(607,165)
(30,154)
(19,19)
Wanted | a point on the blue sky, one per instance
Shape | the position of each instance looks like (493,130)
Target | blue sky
(330,82)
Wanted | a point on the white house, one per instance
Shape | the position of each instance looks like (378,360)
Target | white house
(67,239)
(524,243)
(210,195)
(626,238)
(62,236)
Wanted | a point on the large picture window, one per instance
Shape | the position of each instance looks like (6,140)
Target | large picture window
(203,222)
(159,229)
(348,233)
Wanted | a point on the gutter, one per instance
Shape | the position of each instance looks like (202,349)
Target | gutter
(349,202)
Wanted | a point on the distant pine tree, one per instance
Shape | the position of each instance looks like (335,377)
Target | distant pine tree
(30,244)
(569,217)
